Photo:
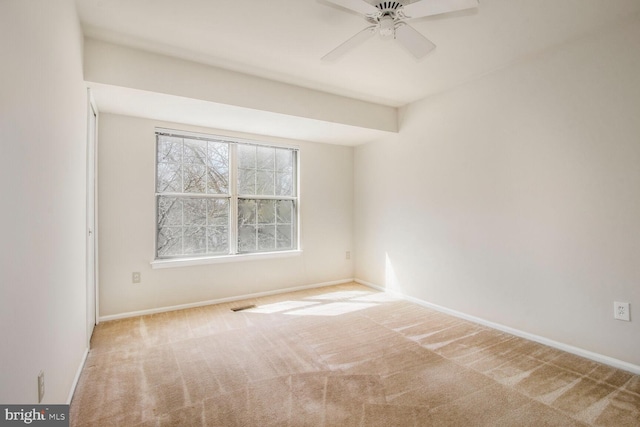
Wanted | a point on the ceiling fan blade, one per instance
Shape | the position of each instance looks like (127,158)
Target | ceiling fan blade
(359,6)
(413,41)
(424,8)
(354,41)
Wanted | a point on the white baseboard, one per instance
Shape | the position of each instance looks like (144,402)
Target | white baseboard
(220,300)
(74,384)
(626,366)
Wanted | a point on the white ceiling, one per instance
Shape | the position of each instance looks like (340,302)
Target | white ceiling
(284,39)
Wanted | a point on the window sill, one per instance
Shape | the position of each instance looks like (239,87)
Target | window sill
(187,262)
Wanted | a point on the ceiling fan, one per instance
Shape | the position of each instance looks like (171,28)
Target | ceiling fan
(388,18)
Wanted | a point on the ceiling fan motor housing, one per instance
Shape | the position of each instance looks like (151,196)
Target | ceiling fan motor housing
(388,6)
(386,9)
(386,18)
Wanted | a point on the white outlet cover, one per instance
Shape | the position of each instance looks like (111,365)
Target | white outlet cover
(621,311)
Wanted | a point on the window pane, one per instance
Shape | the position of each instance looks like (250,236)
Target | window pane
(266,237)
(195,211)
(218,240)
(266,211)
(217,181)
(195,151)
(169,241)
(169,211)
(194,241)
(218,167)
(284,240)
(169,178)
(284,185)
(218,212)
(246,156)
(195,178)
(284,160)
(247,169)
(247,181)
(169,149)
(264,183)
(284,211)
(246,212)
(265,158)
(247,238)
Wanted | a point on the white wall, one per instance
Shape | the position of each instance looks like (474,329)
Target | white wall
(127,225)
(516,198)
(42,220)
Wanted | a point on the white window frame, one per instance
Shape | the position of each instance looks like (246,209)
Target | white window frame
(233,197)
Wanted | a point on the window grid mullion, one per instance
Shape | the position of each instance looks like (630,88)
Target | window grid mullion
(206,190)
(206,167)
(275,220)
(264,197)
(233,201)
(194,195)
(256,245)
(206,223)
(182,204)
(256,223)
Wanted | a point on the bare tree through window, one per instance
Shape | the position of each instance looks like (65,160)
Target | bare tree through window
(202,212)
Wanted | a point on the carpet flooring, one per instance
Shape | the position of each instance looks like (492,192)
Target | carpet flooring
(343,355)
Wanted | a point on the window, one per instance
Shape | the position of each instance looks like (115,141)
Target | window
(221,196)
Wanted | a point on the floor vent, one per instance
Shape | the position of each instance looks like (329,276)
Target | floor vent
(244,307)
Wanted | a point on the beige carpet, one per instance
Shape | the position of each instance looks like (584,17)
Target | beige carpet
(338,356)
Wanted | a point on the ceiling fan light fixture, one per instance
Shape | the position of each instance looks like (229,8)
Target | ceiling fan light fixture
(387,27)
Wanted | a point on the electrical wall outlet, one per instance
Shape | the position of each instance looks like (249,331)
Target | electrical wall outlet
(621,311)
(348,255)
(40,386)
(135,277)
